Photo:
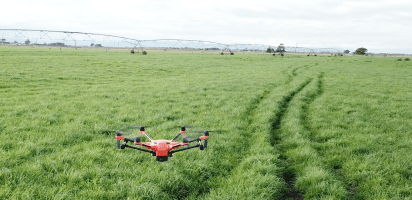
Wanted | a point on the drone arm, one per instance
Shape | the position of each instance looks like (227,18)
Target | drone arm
(182,131)
(145,145)
(191,147)
(203,137)
(198,139)
(119,137)
(128,140)
(177,145)
(194,140)
(132,147)
(177,136)
(144,133)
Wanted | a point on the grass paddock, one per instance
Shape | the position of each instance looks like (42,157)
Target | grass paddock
(320,127)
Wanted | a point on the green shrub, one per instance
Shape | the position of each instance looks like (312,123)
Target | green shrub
(399,59)
(407,59)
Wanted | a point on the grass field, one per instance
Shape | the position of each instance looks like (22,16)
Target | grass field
(285,128)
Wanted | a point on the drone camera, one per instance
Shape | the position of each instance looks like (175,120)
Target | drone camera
(161,158)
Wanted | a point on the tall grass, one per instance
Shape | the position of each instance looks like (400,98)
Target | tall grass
(59,110)
(362,124)
(317,127)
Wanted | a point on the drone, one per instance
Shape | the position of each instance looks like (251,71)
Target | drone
(162,149)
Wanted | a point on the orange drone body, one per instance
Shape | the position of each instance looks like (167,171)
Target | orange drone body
(162,149)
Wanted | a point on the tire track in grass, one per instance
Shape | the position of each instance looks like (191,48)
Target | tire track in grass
(252,176)
(305,173)
(351,189)
(283,106)
(288,174)
(238,143)
(257,150)
(294,71)
(258,175)
(305,109)
(246,131)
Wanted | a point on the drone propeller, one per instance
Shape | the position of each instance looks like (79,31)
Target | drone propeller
(138,127)
(205,132)
(135,127)
(187,126)
(120,133)
(142,130)
(183,128)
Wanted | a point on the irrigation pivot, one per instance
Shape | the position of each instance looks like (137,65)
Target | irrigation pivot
(70,39)
(311,52)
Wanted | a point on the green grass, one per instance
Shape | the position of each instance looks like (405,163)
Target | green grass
(318,127)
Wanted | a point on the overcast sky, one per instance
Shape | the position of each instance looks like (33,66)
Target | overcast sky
(376,25)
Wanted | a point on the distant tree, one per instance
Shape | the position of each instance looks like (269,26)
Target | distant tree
(281,48)
(269,50)
(57,44)
(27,42)
(213,49)
(3,40)
(15,42)
(346,51)
(98,45)
(361,51)
(92,44)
